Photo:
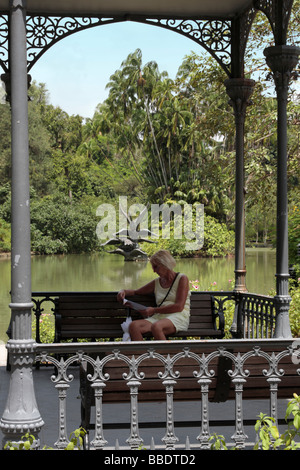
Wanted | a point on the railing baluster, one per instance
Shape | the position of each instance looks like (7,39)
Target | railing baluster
(63,440)
(258,319)
(274,381)
(238,375)
(252,302)
(170,439)
(239,435)
(135,441)
(98,442)
(204,435)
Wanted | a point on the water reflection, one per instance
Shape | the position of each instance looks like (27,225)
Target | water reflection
(94,272)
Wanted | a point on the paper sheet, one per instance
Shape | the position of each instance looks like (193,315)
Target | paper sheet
(134,305)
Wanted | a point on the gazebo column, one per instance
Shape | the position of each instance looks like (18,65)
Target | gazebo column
(21,413)
(239,91)
(282,60)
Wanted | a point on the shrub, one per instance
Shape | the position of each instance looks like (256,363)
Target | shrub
(269,436)
(28,441)
(46,328)
(218,242)
(4,236)
(295,308)
(59,226)
(294,233)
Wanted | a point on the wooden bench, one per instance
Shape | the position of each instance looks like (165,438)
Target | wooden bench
(99,316)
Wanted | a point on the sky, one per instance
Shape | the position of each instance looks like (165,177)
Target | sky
(76,70)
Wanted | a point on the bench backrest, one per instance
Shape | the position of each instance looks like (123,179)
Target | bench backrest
(203,315)
(95,315)
(100,315)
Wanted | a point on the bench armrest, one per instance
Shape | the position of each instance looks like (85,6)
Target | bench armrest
(218,314)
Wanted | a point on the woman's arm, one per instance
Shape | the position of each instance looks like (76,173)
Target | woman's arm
(144,290)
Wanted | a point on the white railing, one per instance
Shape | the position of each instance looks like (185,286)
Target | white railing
(202,371)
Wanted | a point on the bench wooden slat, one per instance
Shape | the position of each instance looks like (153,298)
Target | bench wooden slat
(95,321)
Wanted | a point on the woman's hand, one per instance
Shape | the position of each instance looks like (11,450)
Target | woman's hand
(148,312)
(121,295)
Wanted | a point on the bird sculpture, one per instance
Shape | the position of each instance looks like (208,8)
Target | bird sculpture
(127,240)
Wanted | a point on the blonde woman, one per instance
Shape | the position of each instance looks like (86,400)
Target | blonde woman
(172,296)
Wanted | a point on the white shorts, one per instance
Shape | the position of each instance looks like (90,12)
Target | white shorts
(180,320)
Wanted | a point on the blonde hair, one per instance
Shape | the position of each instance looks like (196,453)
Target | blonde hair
(163,257)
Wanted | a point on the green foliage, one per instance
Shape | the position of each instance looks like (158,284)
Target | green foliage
(269,435)
(61,226)
(76,439)
(295,307)
(5,143)
(294,232)
(217,442)
(46,328)
(27,442)
(218,242)
(4,236)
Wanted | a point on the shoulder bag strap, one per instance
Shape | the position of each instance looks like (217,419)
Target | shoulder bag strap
(168,290)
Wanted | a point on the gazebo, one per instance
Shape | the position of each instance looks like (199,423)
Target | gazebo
(28,29)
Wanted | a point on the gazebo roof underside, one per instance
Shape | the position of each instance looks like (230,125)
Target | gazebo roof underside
(146,8)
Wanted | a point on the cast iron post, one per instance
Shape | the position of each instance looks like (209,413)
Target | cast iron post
(282,60)
(21,413)
(239,91)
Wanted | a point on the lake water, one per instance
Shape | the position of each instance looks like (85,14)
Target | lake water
(95,272)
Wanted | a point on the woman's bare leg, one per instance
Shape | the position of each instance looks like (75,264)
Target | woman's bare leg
(162,328)
(138,328)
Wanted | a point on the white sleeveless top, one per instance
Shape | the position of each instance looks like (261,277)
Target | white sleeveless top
(179,319)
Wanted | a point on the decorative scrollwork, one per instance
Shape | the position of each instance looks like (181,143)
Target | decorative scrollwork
(212,35)
(43,32)
(4,33)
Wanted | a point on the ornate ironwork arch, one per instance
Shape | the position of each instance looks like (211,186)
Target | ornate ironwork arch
(224,39)
(4,43)
(214,35)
